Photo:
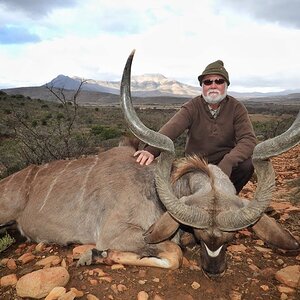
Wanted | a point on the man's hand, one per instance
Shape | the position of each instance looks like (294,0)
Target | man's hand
(225,166)
(144,157)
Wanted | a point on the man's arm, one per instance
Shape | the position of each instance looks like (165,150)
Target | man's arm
(245,141)
(172,129)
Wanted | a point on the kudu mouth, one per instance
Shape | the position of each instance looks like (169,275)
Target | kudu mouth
(230,220)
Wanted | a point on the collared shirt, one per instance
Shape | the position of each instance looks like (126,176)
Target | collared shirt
(214,112)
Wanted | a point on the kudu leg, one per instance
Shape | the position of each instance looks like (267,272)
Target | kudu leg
(169,257)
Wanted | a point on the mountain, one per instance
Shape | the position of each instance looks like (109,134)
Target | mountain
(147,85)
(150,85)
(150,89)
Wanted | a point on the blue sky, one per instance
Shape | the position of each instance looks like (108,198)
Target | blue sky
(259,41)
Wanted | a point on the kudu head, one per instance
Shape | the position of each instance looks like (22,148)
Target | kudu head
(215,214)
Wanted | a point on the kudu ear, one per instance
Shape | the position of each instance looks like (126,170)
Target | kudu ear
(161,230)
(274,234)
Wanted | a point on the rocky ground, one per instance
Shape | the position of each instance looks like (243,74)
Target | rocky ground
(254,270)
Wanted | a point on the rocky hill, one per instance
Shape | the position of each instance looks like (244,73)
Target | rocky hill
(151,89)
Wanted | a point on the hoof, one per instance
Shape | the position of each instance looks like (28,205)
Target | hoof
(85,259)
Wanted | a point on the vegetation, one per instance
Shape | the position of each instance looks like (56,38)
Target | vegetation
(34,131)
(5,242)
(270,128)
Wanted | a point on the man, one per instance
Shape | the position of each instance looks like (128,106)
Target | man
(219,128)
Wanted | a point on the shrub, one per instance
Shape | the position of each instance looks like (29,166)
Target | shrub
(105,132)
(34,123)
(5,242)
(7,111)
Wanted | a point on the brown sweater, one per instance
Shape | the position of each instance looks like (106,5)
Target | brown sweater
(225,141)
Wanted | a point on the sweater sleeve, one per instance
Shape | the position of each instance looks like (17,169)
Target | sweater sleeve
(245,141)
(174,127)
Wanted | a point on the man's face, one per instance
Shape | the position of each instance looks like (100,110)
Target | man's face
(214,88)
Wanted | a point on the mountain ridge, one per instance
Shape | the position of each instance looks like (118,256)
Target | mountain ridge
(149,85)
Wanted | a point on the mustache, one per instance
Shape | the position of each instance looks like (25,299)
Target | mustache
(213,91)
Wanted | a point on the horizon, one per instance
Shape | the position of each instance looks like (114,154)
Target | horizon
(102,83)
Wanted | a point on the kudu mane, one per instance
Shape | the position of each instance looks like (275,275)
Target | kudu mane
(192,163)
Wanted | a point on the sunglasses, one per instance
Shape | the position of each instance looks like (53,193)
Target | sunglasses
(210,82)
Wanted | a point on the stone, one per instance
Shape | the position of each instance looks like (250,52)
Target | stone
(284,296)
(195,285)
(99,272)
(289,276)
(40,247)
(55,293)
(113,287)
(118,267)
(286,289)
(142,273)
(234,295)
(26,258)
(264,287)
(121,288)
(39,284)
(237,248)
(262,249)
(68,296)
(50,260)
(142,295)
(91,297)
(93,282)
(268,272)
(77,292)
(254,268)
(8,280)
(280,262)
(79,250)
(64,264)
(4,261)
(11,264)
(185,262)
(260,242)
(106,278)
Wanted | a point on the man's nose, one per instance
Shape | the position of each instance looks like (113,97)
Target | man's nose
(213,85)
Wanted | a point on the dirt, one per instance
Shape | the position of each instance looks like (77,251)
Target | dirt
(251,264)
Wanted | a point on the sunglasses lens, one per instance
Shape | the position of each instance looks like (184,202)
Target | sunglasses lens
(207,82)
(219,81)
(210,82)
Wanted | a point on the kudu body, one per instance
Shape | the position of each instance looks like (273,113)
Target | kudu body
(133,213)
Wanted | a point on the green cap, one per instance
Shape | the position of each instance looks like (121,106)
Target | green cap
(215,68)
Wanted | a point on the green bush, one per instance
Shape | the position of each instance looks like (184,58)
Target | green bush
(6,241)
(10,157)
(34,123)
(7,111)
(105,132)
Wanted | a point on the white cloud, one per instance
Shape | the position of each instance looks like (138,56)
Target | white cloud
(178,39)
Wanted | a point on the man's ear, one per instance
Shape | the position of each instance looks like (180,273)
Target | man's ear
(161,230)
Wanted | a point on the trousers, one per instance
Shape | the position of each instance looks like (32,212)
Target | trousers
(241,174)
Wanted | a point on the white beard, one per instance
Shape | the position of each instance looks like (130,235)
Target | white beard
(214,96)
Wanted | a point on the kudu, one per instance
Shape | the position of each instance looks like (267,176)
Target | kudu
(135,214)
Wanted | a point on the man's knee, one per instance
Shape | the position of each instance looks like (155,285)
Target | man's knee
(242,174)
(246,167)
